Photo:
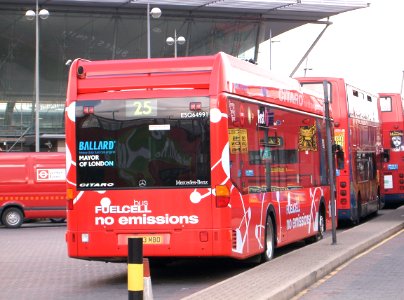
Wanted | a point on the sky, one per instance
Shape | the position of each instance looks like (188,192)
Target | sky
(364,46)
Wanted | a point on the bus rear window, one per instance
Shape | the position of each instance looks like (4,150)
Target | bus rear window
(141,143)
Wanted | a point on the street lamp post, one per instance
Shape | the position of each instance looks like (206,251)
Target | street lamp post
(270,48)
(30,15)
(170,41)
(155,13)
(306,68)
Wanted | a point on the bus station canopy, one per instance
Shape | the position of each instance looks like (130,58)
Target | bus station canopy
(285,14)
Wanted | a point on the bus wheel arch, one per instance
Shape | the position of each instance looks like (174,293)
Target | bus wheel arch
(12,217)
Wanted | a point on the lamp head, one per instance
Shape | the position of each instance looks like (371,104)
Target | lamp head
(155,12)
(170,41)
(181,40)
(43,14)
(30,15)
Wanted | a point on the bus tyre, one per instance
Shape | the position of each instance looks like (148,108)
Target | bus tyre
(268,253)
(320,229)
(321,226)
(12,217)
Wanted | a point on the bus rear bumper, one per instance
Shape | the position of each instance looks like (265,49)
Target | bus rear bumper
(112,246)
(344,215)
(393,198)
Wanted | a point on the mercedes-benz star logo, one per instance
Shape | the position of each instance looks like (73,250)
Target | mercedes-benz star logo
(142,182)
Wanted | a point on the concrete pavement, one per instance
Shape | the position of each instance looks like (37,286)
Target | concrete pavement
(289,274)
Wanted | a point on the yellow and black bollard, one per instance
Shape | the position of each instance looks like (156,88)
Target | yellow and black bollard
(135,269)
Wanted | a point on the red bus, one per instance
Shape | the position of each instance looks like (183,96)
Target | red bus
(392,116)
(357,124)
(200,156)
(32,185)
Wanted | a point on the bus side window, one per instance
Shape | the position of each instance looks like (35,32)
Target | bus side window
(386,155)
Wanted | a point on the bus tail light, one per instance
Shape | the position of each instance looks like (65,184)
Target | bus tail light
(343,201)
(342,184)
(69,204)
(342,192)
(222,196)
(69,197)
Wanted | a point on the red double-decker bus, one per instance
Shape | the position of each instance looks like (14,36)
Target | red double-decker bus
(200,156)
(392,116)
(357,124)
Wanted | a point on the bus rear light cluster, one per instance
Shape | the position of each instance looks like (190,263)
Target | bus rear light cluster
(69,204)
(401,181)
(69,197)
(342,184)
(343,192)
(222,196)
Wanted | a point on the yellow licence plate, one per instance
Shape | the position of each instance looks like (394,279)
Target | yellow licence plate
(152,239)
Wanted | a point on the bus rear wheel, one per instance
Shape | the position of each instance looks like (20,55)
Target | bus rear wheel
(12,217)
(320,229)
(268,253)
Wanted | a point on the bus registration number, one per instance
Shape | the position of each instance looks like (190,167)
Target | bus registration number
(152,239)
